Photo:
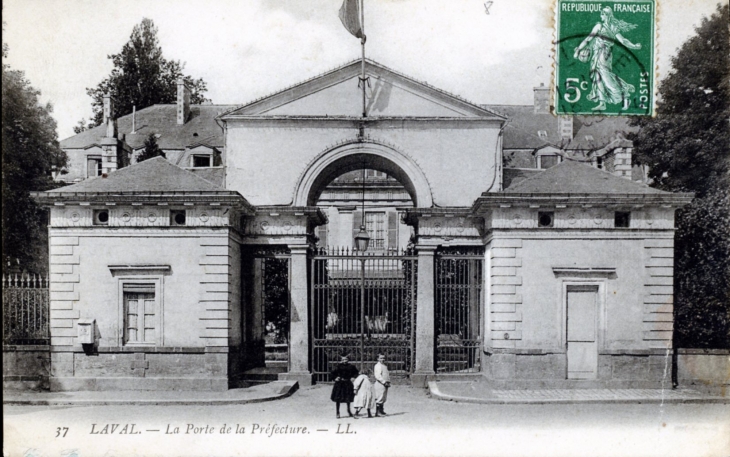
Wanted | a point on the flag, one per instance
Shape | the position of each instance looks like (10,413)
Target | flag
(350,17)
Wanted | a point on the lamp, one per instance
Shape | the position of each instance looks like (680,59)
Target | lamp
(362,239)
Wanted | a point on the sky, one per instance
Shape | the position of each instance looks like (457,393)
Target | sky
(245,49)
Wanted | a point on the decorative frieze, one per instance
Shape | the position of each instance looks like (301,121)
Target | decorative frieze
(580,218)
(445,226)
(275,225)
(140,216)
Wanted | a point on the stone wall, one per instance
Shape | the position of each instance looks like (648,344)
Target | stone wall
(26,367)
(707,370)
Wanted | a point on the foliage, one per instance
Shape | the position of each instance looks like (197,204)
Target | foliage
(276,299)
(151,149)
(142,77)
(687,147)
(83,126)
(30,154)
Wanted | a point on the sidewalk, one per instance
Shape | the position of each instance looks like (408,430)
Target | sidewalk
(481,392)
(264,392)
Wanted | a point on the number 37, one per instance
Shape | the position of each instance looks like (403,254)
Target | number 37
(573,86)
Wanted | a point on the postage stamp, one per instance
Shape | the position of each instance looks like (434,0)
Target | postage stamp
(604,61)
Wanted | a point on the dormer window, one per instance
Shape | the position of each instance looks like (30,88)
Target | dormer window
(542,134)
(93,166)
(589,138)
(547,161)
(201,161)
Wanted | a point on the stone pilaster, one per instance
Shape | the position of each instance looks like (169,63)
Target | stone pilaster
(425,331)
(299,319)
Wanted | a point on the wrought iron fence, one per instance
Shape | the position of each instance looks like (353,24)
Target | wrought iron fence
(25,310)
(363,305)
(459,279)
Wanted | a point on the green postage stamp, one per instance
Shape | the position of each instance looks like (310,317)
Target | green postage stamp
(604,61)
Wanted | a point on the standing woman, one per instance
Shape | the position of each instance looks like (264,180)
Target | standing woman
(343,390)
(598,47)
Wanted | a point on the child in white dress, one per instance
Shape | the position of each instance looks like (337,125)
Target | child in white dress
(363,393)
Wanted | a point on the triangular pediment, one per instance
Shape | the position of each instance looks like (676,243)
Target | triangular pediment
(389,94)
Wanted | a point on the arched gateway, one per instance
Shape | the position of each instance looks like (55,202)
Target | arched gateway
(356,155)
(560,276)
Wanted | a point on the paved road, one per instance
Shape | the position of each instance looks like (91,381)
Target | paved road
(416,425)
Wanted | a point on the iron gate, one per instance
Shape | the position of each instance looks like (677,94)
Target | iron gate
(363,305)
(459,280)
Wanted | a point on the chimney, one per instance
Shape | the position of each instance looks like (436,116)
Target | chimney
(622,162)
(565,125)
(108,108)
(542,99)
(183,101)
(109,144)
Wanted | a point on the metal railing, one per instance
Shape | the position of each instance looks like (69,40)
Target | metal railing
(458,302)
(25,310)
(363,305)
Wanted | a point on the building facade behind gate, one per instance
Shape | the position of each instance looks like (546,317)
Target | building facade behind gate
(550,272)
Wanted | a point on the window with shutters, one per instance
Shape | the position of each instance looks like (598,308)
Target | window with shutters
(375,226)
(93,166)
(140,314)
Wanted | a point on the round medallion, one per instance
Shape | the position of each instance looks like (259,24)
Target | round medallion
(597,219)
(204,217)
(152,217)
(572,219)
(517,219)
(506,336)
(75,217)
(437,227)
(287,226)
(460,226)
(126,217)
(264,225)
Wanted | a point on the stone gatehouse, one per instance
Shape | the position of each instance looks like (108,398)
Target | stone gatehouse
(555,272)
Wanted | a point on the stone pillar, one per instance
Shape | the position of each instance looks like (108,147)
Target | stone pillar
(299,326)
(425,331)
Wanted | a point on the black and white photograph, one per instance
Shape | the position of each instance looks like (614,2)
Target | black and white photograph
(366,228)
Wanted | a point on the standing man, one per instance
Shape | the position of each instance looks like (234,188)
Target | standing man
(382,383)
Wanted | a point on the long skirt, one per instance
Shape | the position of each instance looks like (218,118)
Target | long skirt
(343,391)
(364,397)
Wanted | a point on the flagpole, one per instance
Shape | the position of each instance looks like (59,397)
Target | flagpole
(362,42)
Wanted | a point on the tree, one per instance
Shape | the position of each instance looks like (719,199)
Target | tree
(687,149)
(151,149)
(142,76)
(30,154)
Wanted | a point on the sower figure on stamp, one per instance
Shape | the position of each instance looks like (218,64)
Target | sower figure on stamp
(343,390)
(363,393)
(598,47)
(382,383)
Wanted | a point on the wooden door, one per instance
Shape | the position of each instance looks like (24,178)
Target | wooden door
(582,332)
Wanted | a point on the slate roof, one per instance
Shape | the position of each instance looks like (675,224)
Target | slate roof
(571,177)
(153,175)
(200,128)
(523,126)
(589,132)
(597,131)
(512,176)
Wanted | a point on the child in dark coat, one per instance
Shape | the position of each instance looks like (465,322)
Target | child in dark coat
(343,390)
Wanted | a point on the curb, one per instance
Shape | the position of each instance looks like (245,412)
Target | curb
(436,393)
(285,392)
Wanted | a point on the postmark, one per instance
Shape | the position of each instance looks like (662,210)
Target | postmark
(604,59)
